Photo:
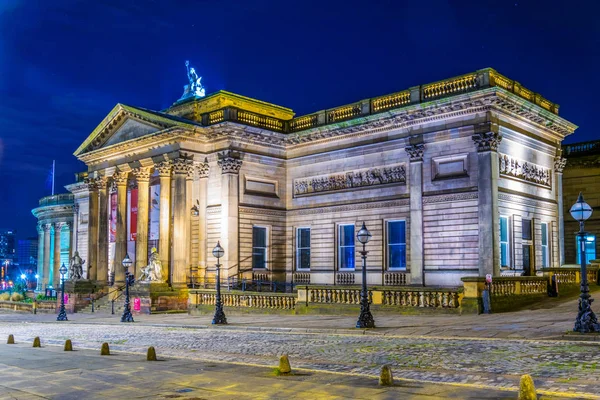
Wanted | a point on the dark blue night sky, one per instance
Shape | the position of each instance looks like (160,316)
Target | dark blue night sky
(65,64)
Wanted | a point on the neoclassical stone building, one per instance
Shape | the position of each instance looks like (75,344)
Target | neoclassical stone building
(55,237)
(455,178)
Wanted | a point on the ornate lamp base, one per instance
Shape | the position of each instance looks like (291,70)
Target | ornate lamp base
(127,317)
(586,321)
(219,318)
(365,320)
(62,315)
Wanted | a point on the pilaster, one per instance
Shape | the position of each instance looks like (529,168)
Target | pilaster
(230,165)
(415,153)
(103,211)
(559,166)
(92,261)
(203,171)
(120,179)
(489,223)
(181,168)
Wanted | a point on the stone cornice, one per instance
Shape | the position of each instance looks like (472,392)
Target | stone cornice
(52,214)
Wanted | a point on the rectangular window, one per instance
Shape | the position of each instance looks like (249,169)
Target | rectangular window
(504,243)
(303,248)
(590,249)
(526,224)
(259,247)
(545,252)
(396,239)
(346,247)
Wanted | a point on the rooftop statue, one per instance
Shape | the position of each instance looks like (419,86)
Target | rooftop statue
(194,88)
(153,271)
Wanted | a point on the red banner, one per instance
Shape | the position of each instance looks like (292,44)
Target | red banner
(113,218)
(133,214)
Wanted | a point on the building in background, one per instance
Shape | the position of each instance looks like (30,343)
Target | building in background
(455,178)
(8,255)
(55,216)
(582,174)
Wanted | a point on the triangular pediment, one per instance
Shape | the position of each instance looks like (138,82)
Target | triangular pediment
(125,123)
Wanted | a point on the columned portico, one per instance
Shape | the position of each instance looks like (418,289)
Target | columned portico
(181,167)
(102,270)
(487,193)
(120,179)
(415,153)
(142,176)
(230,168)
(164,173)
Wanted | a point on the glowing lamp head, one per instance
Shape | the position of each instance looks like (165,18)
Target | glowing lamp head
(363,234)
(127,262)
(581,210)
(218,251)
(23,276)
(63,269)
(37,276)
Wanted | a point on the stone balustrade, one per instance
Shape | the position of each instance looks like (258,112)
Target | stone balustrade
(244,299)
(481,79)
(302,278)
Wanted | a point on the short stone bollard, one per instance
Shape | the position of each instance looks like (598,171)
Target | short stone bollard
(151,355)
(385,376)
(36,342)
(527,388)
(68,345)
(105,351)
(11,339)
(284,365)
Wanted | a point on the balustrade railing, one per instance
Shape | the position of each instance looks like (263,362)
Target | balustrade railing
(396,279)
(345,278)
(511,286)
(421,298)
(272,301)
(335,295)
(302,278)
(581,148)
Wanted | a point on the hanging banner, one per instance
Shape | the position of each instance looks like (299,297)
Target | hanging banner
(113,218)
(154,212)
(133,214)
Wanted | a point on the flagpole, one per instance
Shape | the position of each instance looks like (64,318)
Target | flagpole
(53,171)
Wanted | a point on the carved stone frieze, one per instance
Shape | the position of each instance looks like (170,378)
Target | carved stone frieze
(559,164)
(450,197)
(487,141)
(415,152)
(524,170)
(229,163)
(203,169)
(348,180)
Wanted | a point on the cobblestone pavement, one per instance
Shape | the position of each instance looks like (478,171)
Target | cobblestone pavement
(569,368)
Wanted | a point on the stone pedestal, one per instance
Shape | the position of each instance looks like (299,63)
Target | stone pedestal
(79,295)
(156,297)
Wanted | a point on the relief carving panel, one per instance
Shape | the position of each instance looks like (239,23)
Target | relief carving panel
(525,171)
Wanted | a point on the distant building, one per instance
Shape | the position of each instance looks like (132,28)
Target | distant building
(7,245)
(582,174)
(27,252)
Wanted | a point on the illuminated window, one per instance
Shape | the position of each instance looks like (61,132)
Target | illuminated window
(259,247)
(303,248)
(590,249)
(396,242)
(346,246)
(504,242)
(545,252)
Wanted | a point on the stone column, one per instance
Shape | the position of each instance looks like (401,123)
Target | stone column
(559,166)
(120,179)
(164,173)
(75,227)
(103,211)
(181,167)
(489,218)
(415,182)
(230,168)
(47,250)
(92,257)
(142,176)
(56,265)
(189,182)
(40,256)
(70,226)
(203,170)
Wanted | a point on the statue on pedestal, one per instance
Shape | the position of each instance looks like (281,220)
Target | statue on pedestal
(194,88)
(76,267)
(153,271)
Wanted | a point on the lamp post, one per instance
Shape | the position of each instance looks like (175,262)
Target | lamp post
(586,319)
(62,314)
(127,317)
(24,279)
(219,318)
(365,320)
(38,286)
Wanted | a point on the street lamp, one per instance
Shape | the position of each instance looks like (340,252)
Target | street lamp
(586,319)
(365,320)
(62,314)
(127,317)
(219,318)
(37,282)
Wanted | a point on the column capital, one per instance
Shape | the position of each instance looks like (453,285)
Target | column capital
(487,141)
(76,208)
(40,228)
(120,178)
(203,169)
(559,164)
(92,184)
(47,228)
(58,226)
(69,224)
(164,168)
(182,166)
(142,174)
(415,152)
(228,163)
